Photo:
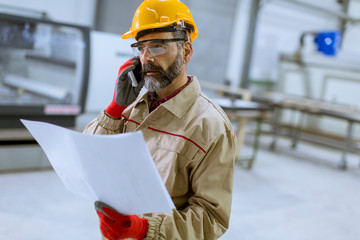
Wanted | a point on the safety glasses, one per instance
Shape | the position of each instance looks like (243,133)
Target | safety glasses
(156,47)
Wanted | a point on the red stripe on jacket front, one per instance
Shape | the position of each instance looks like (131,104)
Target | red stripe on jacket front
(172,134)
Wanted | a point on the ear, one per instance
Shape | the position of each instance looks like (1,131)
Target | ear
(187,52)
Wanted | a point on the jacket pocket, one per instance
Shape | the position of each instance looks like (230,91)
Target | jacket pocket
(173,157)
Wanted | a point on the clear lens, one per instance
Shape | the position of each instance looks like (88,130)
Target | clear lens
(136,51)
(156,47)
(154,51)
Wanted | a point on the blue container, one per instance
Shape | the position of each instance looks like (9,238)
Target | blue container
(328,42)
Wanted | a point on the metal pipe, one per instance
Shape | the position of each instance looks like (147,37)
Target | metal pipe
(343,22)
(254,9)
(41,14)
(44,89)
(324,10)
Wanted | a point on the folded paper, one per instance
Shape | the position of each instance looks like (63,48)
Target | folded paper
(115,169)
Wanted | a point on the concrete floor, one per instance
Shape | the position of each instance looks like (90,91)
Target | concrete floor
(288,195)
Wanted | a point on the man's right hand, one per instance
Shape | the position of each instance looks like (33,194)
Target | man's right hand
(125,93)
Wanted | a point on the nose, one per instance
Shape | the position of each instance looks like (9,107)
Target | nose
(146,56)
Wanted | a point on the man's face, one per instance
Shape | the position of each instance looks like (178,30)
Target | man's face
(160,71)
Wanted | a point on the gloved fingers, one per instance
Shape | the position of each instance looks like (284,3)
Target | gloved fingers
(125,93)
(112,230)
(125,66)
(107,233)
(136,60)
(131,65)
(138,68)
(101,213)
(111,218)
(135,67)
(106,224)
(123,75)
(105,229)
(131,62)
(115,215)
(99,207)
(121,221)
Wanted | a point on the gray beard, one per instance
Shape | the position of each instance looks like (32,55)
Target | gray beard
(164,78)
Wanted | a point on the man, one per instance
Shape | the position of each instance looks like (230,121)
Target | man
(189,137)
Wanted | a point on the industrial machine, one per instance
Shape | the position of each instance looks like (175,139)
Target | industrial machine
(44,68)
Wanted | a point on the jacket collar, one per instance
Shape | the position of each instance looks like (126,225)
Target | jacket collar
(181,103)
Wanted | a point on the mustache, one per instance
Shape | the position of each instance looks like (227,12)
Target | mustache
(150,67)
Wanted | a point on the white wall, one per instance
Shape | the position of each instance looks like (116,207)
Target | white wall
(81,12)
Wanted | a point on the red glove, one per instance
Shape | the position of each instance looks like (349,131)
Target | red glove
(115,226)
(125,93)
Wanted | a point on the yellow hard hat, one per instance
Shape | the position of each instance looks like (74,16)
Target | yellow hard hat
(158,15)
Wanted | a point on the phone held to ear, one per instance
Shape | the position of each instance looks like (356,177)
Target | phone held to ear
(131,75)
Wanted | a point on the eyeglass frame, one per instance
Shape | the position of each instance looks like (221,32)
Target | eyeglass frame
(163,41)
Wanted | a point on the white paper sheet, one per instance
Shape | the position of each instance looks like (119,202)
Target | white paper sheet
(115,169)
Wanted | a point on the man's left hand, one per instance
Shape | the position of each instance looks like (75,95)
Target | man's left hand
(115,226)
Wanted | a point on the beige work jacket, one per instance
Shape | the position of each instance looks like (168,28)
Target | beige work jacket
(192,143)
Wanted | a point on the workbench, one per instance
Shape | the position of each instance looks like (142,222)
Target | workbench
(313,107)
(239,111)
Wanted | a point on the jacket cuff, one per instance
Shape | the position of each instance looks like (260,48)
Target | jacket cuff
(154,228)
(109,123)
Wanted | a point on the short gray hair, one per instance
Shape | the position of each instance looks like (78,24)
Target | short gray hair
(180,34)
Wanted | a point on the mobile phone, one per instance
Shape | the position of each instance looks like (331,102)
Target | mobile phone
(131,75)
